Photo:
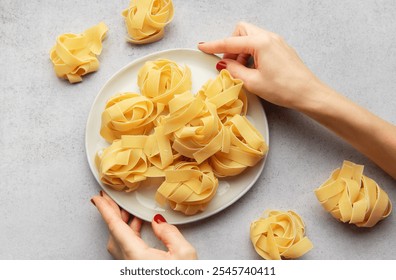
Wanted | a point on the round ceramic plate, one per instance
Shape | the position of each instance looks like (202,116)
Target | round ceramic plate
(141,202)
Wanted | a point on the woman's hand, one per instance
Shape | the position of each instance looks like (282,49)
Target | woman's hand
(279,76)
(125,241)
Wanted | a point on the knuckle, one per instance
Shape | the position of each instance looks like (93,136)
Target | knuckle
(264,40)
(110,247)
(112,227)
(241,24)
(276,37)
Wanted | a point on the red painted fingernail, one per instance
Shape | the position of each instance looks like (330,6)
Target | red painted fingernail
(221,65)
(93,202)
(101,193)
(159,219)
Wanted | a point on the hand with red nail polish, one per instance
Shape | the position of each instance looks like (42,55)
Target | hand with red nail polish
(281,77)
(278,75)
(125,241)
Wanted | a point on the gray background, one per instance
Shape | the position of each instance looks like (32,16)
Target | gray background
(46,184)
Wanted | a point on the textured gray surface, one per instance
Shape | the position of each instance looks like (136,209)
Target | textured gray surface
(46,183)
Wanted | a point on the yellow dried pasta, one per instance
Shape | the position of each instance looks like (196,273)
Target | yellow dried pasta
(146,20)
(182,137)
(197,131)
(158,149)
(123,165)
(188,188)
(279,235)
(74,55)
(352,197)
(227,94)
(161,79)
(128,113)
(247,147)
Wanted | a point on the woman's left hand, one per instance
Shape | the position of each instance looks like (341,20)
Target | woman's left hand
(125,241)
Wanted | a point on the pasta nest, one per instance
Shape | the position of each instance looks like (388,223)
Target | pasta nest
(146,20)
(128,114)
(247,147)
(159,151)
(123,165)
(188,188)
(162,79)
(74,55)
(280,235)
(352,197)
(195,128)
(227,94)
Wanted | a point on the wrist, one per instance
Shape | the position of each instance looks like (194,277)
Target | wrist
(314,98)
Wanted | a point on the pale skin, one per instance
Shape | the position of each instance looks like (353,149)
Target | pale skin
(280,77)
(124,235)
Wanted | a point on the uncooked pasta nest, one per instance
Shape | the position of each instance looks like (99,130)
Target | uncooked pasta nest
(278,235)
(188,188)
(167,131)
(162,79)
(354,198)
(146,20)
(74,55)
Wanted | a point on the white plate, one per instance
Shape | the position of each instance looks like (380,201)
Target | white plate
(141,202)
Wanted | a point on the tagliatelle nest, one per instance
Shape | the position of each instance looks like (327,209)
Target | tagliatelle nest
(123,165)
(188,188)
(353,198)
(278,235)
(128,114)
(146,20)
(162,79)
(74,55)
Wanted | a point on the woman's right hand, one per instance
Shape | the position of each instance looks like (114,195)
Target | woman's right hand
(279,75)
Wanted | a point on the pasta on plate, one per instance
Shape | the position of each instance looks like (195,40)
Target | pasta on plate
(188,140)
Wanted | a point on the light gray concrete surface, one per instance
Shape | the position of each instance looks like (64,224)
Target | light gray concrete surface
(46,183)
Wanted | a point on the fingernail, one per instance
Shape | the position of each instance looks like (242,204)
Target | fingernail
(101,193)
(200,43)
(93,202)
(159,219)
(221,65)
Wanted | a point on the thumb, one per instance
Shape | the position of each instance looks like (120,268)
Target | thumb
(178,246)
(239,71)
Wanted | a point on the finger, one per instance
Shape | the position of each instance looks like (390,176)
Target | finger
(125,215)
(243,58)
(238,31)
(122,233)
(110,201)
(232,56)
(173,239)
(244,28)
(136,225)
(230,45)
(239,71)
